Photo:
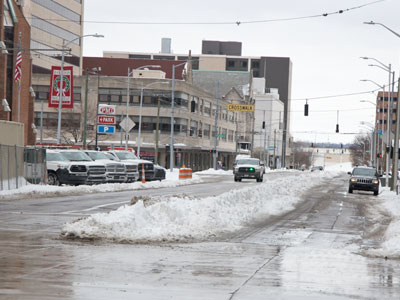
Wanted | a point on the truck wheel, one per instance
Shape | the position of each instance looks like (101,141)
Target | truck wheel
(350,191)
(376,193)
(53,179)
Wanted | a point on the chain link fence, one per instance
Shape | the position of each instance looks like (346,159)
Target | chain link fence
(20,166)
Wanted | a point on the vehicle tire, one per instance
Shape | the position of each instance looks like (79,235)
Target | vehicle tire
(235,179)
(350,191)
(239,179)
(53,179)
(260,179)
(376,193)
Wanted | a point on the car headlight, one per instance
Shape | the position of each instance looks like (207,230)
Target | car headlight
(236,169)
(375,181)
(353,179)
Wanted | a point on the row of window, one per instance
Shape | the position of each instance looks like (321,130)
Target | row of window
(59,9)
(42,93)
(386,98)
(55,30)
(149,124)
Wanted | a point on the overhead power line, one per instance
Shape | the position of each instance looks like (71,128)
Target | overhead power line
(238,22)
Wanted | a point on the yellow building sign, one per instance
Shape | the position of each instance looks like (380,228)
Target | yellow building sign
(240,107)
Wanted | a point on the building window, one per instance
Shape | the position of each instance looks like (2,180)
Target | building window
(243,63)
(231,63)
(206,131)
(193,128)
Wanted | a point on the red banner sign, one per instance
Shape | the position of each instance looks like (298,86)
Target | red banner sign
(105,109)
(66,92)
(106,120)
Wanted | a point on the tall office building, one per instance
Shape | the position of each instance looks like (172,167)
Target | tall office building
(52,22)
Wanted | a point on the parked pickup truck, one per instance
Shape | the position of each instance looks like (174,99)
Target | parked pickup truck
(128,156)
(115,171)
(61,170)
(95,171)
(248,168)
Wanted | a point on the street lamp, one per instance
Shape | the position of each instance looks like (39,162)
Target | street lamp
(62,80)
(127,100)
(390,109)
(373,23)
(396,138)
(140,112)
(171,146)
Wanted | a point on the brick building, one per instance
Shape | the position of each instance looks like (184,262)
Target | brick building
(13,25)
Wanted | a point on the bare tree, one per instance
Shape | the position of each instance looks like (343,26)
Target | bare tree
(359,156)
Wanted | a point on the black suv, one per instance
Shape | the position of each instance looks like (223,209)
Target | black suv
(364,179)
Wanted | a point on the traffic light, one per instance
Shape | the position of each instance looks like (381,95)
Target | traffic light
(341,146)
(306,109)
(337,128)
(263,125)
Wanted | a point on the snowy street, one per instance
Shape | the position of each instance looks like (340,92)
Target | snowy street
(297,235)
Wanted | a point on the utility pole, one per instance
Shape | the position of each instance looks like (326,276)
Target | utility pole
(274,149)
(396,145)
(216,129)
(85,113)
(157,130)
(265,136)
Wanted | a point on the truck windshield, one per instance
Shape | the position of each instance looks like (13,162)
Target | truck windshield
(253,162)
(126,155)
(76,156)
(55,157)
(97,155)
(364,172)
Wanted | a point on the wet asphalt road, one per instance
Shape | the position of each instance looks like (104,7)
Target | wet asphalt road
(314,252)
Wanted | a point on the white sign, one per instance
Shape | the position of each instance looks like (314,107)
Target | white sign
(105,109)
(123,124)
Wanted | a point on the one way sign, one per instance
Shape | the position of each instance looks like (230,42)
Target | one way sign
(106,129)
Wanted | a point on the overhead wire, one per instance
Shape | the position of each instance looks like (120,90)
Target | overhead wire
(237,22)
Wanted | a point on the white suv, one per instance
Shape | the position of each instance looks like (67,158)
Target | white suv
(115,171)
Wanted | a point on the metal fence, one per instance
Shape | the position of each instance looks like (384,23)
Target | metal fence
(20,166)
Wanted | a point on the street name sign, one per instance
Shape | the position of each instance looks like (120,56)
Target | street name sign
(240,107)
(106,120)
(106,129)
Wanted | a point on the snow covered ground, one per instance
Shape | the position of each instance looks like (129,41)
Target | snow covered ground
(32,190)
(187,218)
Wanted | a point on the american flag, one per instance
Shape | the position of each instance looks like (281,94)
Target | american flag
(18,64)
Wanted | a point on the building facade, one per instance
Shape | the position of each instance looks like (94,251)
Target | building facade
(53,22)
(15,36)
(226,56)
(195,115)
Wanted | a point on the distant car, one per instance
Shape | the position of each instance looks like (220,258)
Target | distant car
(248,168)
(317,168)
(364,179)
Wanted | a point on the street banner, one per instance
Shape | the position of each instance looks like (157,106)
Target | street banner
(67,88)
(240,107)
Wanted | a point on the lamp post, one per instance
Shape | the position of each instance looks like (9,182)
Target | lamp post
(390,111)
(62,80)
(171,146)
(382,118)
(97,70)
(127,100)
(396,138)
(140,112)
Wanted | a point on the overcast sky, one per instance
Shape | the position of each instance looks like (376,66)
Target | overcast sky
(324,51)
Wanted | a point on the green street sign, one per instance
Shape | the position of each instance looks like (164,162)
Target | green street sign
(221,135)
(367,151)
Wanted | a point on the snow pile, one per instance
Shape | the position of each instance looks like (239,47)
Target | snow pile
(187,218)
(215,172)
(32,190)
(390,246)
